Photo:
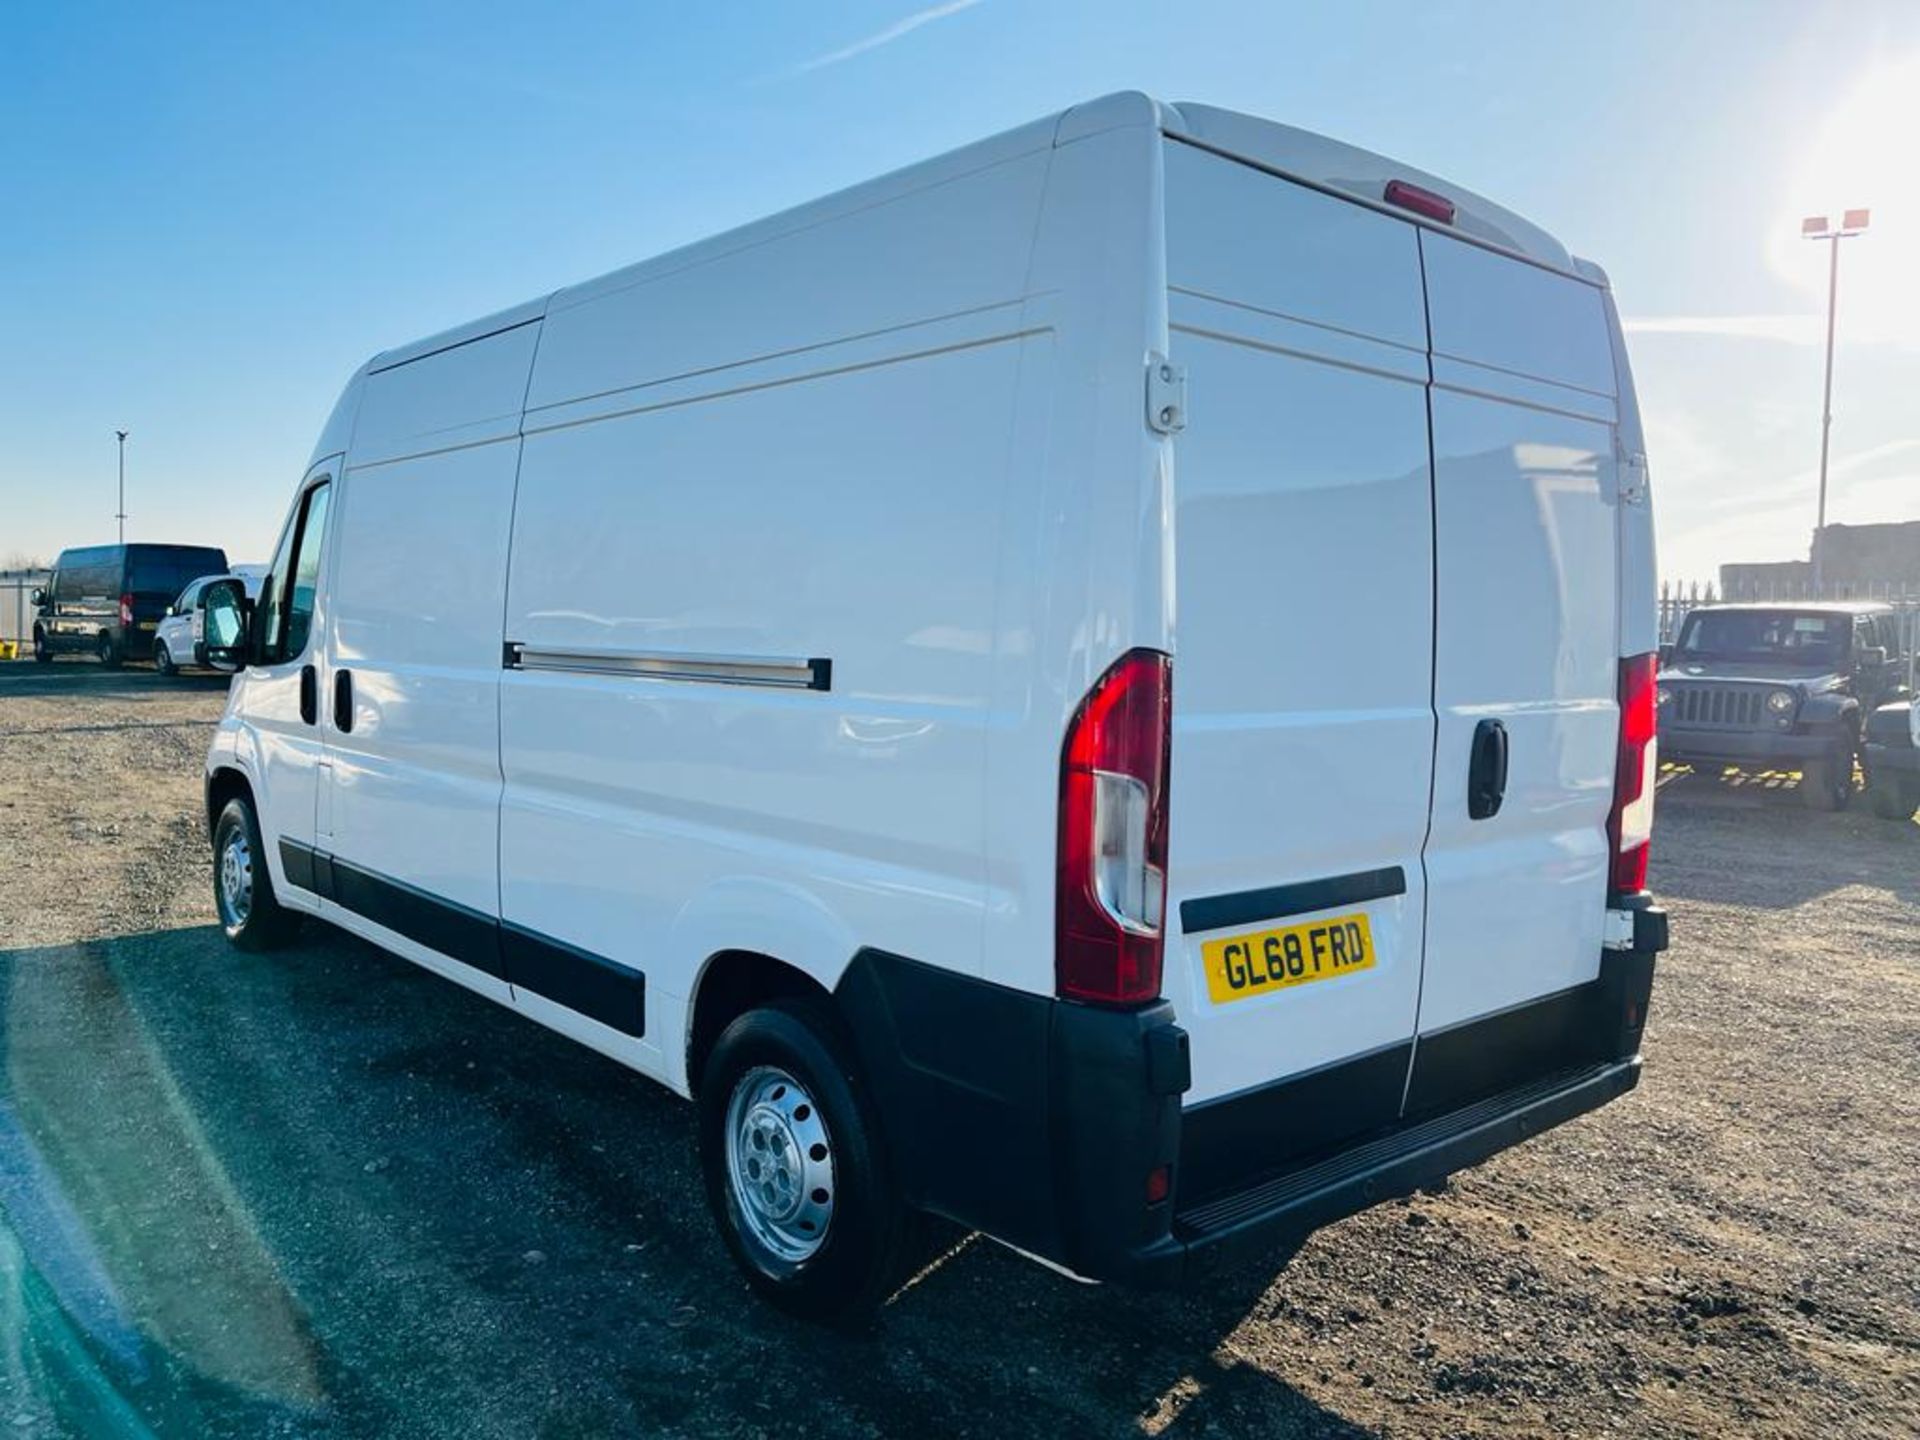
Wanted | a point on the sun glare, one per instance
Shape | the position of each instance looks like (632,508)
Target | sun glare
(1862,157)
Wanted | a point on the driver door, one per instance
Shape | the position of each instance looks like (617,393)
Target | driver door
(283,688)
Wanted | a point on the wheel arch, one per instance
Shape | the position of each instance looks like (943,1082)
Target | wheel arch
(732,982)
(226,783)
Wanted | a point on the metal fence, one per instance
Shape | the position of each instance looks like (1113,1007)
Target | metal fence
(16,604)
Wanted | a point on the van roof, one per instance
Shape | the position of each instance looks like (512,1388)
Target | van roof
(1356,174)
(1315,160)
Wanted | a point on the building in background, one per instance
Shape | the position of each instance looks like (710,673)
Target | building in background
(1859,560)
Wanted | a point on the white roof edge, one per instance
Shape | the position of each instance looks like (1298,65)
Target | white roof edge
(508,319)
(1300,154)
(1362,175)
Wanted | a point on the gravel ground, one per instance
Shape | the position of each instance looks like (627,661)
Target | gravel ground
(324,1193)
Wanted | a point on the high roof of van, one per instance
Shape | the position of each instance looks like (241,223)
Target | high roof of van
(1315,160)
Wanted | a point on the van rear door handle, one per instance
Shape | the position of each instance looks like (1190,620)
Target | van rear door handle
(309,695)
(1487,771)
(343,701)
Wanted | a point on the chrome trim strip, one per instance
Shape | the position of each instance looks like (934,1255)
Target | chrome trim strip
(773,671)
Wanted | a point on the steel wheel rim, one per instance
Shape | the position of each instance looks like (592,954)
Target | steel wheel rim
(779,1165)
(236,880)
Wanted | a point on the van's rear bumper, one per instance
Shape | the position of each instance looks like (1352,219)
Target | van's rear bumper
(1275,1215)
(1040,1121)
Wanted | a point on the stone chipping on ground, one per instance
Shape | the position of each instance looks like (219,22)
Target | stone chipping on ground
(486,1230)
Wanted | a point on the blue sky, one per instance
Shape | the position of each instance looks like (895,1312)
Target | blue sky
(209,215)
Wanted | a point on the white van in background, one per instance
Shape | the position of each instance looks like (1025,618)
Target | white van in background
(1100,686)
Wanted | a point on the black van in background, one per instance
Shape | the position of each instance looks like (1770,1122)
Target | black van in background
(107,600)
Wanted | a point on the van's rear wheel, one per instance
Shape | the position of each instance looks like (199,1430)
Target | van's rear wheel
(1827,783)
(242,885)
(795,1173)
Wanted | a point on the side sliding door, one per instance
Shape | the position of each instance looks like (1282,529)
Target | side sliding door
(407,827)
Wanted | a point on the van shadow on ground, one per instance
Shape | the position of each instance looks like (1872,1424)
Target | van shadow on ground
(324,1192)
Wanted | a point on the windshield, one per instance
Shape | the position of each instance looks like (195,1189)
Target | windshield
(1765,637)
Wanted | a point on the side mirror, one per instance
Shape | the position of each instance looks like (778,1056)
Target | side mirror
(1666,655)
(39,598)
(227,626)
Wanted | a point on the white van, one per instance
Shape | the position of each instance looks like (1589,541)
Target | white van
(1099,687)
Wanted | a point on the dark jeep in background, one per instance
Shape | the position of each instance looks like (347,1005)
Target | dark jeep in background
(1780,686)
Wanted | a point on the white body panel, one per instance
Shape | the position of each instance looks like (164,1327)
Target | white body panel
(1303,741)
(595,557)
(1526,538)
(418,583)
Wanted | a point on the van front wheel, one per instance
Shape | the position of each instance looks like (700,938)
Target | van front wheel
(795,1173)
(242,886)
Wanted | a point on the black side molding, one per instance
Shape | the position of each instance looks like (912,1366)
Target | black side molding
(575,978)
(590,984)
(1276,902)
(467,935)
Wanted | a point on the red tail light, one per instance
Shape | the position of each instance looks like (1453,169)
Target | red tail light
(1630,826)
(126,609)
(1110,905)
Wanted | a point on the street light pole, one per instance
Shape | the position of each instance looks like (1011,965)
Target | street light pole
(121,511)
(1815,227)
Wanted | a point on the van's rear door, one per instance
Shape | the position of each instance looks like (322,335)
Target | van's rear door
(1303,725)
(1526,522)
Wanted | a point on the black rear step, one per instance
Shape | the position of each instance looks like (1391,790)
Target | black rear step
(1296,1202)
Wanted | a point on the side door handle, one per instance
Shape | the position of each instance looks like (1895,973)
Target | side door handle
(1487,771)
(309,695)
(343,701)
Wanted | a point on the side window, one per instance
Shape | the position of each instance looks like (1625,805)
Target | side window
(288,598)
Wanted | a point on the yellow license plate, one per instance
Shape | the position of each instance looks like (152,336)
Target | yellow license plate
(1244,965)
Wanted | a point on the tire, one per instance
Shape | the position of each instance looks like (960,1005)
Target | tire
(163,659)
(42,651)
(108,652)
(1827,784)
(243,883)
(1894,797)
(785,1073)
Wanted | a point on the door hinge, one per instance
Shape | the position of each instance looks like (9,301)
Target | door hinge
(1633,479)
(1166,395)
